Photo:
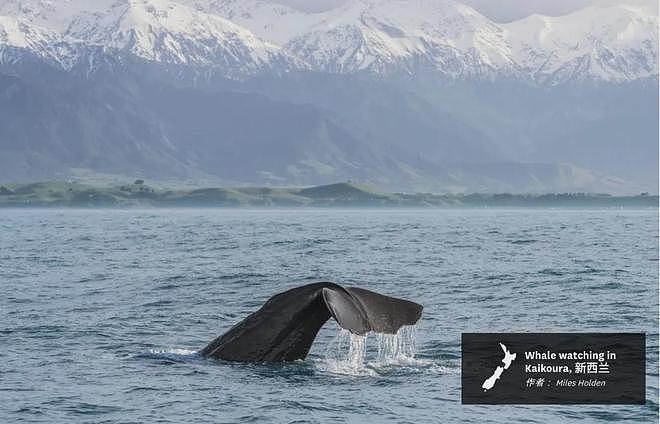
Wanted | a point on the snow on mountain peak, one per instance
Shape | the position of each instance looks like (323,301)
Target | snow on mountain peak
(16,33)
(614,43)
(270,21)
(162,31)
(166,31)
(381,34)
(243,36)
(19,35)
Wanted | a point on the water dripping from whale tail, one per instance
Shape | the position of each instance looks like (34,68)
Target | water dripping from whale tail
(349,353)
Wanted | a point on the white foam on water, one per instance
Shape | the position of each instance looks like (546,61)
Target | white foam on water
(180,352)
(173,354)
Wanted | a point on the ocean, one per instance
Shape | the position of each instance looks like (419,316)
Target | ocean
(103,311)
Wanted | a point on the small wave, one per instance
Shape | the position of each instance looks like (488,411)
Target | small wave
(407,366)
(552,272)
(92,409)
(157,303)
(523,241)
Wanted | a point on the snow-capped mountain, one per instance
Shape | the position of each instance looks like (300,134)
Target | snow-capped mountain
(379,36)
(20,41)
(169,32)
(615,43)
(159,31)
(407,94)
(375,35)
(398,35)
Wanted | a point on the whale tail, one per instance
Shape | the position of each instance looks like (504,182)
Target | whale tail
(360,311)
(287,324)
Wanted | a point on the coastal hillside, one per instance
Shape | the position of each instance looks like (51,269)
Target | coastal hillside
(347,194)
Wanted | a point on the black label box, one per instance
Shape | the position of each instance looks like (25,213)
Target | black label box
(553,368)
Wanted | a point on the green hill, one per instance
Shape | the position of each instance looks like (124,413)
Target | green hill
(343,191)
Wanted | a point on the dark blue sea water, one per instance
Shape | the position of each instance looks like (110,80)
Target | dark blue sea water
(102,311)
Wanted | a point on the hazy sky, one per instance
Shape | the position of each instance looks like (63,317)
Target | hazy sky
(499,10)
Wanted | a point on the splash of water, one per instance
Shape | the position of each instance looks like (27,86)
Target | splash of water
(395,348)
(348,353)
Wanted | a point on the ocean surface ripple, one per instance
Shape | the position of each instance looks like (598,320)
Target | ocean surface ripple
(103,311)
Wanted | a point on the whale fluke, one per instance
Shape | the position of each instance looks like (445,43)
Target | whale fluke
(287,324)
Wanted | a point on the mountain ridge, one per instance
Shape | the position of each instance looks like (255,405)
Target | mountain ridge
(376,36)
(400,99)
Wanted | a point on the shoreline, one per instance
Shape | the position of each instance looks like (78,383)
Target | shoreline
(332,196)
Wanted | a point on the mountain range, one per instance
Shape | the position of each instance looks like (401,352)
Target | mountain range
(410,95)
